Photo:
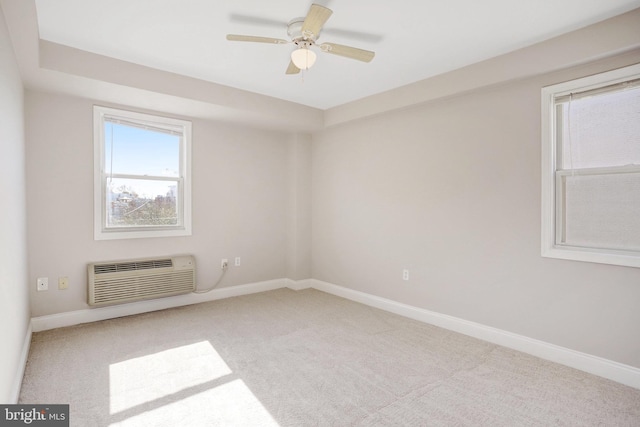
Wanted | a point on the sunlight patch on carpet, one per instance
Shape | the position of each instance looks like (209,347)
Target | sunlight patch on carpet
(229,404)
(138,381)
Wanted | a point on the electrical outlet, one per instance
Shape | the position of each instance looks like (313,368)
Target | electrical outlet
(405,274)
(63,283)
(43,284)
(224,263)
(237,261)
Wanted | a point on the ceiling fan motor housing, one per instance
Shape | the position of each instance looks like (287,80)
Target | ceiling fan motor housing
(294,30)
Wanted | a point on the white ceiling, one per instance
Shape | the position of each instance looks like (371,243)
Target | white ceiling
(413,40)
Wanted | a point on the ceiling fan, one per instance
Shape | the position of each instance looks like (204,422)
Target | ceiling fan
(304,33)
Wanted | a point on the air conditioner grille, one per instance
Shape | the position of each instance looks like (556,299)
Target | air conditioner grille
(132,266)
(143,287)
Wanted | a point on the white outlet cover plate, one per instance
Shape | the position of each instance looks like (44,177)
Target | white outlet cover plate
(43,284)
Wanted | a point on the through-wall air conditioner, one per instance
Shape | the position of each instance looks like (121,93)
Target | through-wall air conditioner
(117,282)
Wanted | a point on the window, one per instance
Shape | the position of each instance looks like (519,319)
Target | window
(591,168)
(142,168)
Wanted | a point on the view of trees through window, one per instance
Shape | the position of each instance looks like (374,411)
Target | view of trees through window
(127,207)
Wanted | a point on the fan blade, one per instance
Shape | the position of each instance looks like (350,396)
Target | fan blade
(348,51)
(314,21)
(292,69)
(239,38)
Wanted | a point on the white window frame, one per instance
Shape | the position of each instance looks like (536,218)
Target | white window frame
(551,189)
(183,228)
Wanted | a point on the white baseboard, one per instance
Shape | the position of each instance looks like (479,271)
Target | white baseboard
(298,285)
(43,323)
(609,369)
(22,364)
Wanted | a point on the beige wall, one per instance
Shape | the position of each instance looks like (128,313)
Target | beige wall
(299,207)
(14,298)
(450,190)
(240,193)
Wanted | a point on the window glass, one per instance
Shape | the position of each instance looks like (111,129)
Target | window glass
(137,151)
(601,130)
(141,203)
(603,211)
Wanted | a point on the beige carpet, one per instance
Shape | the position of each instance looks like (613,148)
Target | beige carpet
(286,358)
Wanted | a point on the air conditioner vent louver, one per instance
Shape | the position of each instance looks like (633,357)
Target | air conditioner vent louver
(132,266)
(118,282)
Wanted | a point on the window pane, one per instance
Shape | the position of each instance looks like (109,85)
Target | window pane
(140,203)
(137,151)
(603,211)
(602,130)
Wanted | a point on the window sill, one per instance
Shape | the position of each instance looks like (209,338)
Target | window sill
(613,257)
(141,234)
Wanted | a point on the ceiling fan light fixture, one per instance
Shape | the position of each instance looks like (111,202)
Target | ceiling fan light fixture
(303,58)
